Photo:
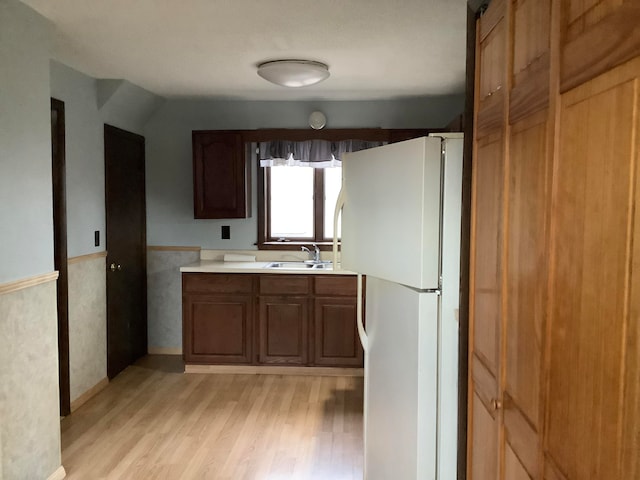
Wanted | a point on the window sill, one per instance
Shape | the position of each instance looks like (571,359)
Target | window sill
(295,245)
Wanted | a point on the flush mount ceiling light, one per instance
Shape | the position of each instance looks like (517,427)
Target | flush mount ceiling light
(293,73)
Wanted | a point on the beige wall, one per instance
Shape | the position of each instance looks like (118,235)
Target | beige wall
(87,323)
(30,424)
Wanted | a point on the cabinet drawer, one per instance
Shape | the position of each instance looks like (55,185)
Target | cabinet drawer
(285,284)
(216,283)
(336,285)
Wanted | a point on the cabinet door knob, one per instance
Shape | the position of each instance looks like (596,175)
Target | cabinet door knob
(113,267)
(495,404)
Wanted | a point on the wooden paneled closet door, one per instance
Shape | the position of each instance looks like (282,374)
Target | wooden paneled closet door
(593,423)
(555,247)
(487,247)
(511,203)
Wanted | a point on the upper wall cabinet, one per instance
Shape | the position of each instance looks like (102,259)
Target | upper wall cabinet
(530,67)
(491,74)
(221,182)
(597,35)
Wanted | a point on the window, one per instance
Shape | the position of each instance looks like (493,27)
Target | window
(299,204)
(296,202)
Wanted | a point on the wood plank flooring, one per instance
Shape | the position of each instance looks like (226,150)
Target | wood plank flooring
(154,422)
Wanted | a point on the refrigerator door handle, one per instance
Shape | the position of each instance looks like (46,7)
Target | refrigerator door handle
(362,333)
(336,215)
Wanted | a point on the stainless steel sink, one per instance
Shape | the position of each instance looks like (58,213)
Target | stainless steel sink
(300,265)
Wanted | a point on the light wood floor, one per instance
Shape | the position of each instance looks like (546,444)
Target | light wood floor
(153,422)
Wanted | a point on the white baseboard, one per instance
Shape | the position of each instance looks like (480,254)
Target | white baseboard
(59,474)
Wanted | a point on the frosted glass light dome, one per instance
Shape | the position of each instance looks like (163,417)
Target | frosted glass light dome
(293,73)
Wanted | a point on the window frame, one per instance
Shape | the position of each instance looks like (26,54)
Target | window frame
(264,240)
(318,209)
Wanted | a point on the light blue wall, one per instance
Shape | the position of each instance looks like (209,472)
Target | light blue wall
(87,109)
(29,412)
(84,158)
(26,209)
(169,164)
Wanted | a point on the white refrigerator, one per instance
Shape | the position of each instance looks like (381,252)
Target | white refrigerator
(401,213)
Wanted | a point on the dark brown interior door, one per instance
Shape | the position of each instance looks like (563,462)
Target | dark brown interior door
(60,248)
(126,248)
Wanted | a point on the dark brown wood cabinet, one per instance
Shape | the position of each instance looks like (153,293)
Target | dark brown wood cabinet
(284,330)
(217,318)
(221,177)
(219,328)
(336,341)
(336,334)
(278,319)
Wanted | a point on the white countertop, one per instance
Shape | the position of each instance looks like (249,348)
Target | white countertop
(216,266)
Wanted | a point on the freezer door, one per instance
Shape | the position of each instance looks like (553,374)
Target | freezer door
(400,382)
(391,215)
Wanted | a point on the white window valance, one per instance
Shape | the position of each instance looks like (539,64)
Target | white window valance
(309,153)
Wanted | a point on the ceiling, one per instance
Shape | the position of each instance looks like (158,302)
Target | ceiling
(375,49)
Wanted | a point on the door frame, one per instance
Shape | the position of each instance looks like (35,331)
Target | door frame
(60,258)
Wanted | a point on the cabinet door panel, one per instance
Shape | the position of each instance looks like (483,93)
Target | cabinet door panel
(335,285)
(336,333)
(284,330)
(285,284)
(220,175)
(217,329)
(590,350)
(217,283)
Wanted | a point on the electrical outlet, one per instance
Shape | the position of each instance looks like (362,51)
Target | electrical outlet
(226,232)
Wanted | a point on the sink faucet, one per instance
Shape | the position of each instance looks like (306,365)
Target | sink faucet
(315,255)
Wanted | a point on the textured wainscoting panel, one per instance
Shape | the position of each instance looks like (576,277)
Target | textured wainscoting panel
(164,297)
(87,324)
(29,402)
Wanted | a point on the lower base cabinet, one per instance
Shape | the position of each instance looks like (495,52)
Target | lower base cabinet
(336,333)
(283,330)
(277,319)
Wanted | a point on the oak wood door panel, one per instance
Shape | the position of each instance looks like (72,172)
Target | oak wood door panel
(487,270)
(521,437)
(513,469)
(220,175)
(484,443)
(529,200)
(336,333)
(597,35)
(531,56)
(491,69)
(217,328)
(591,352)
(486,279)
(284,330)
